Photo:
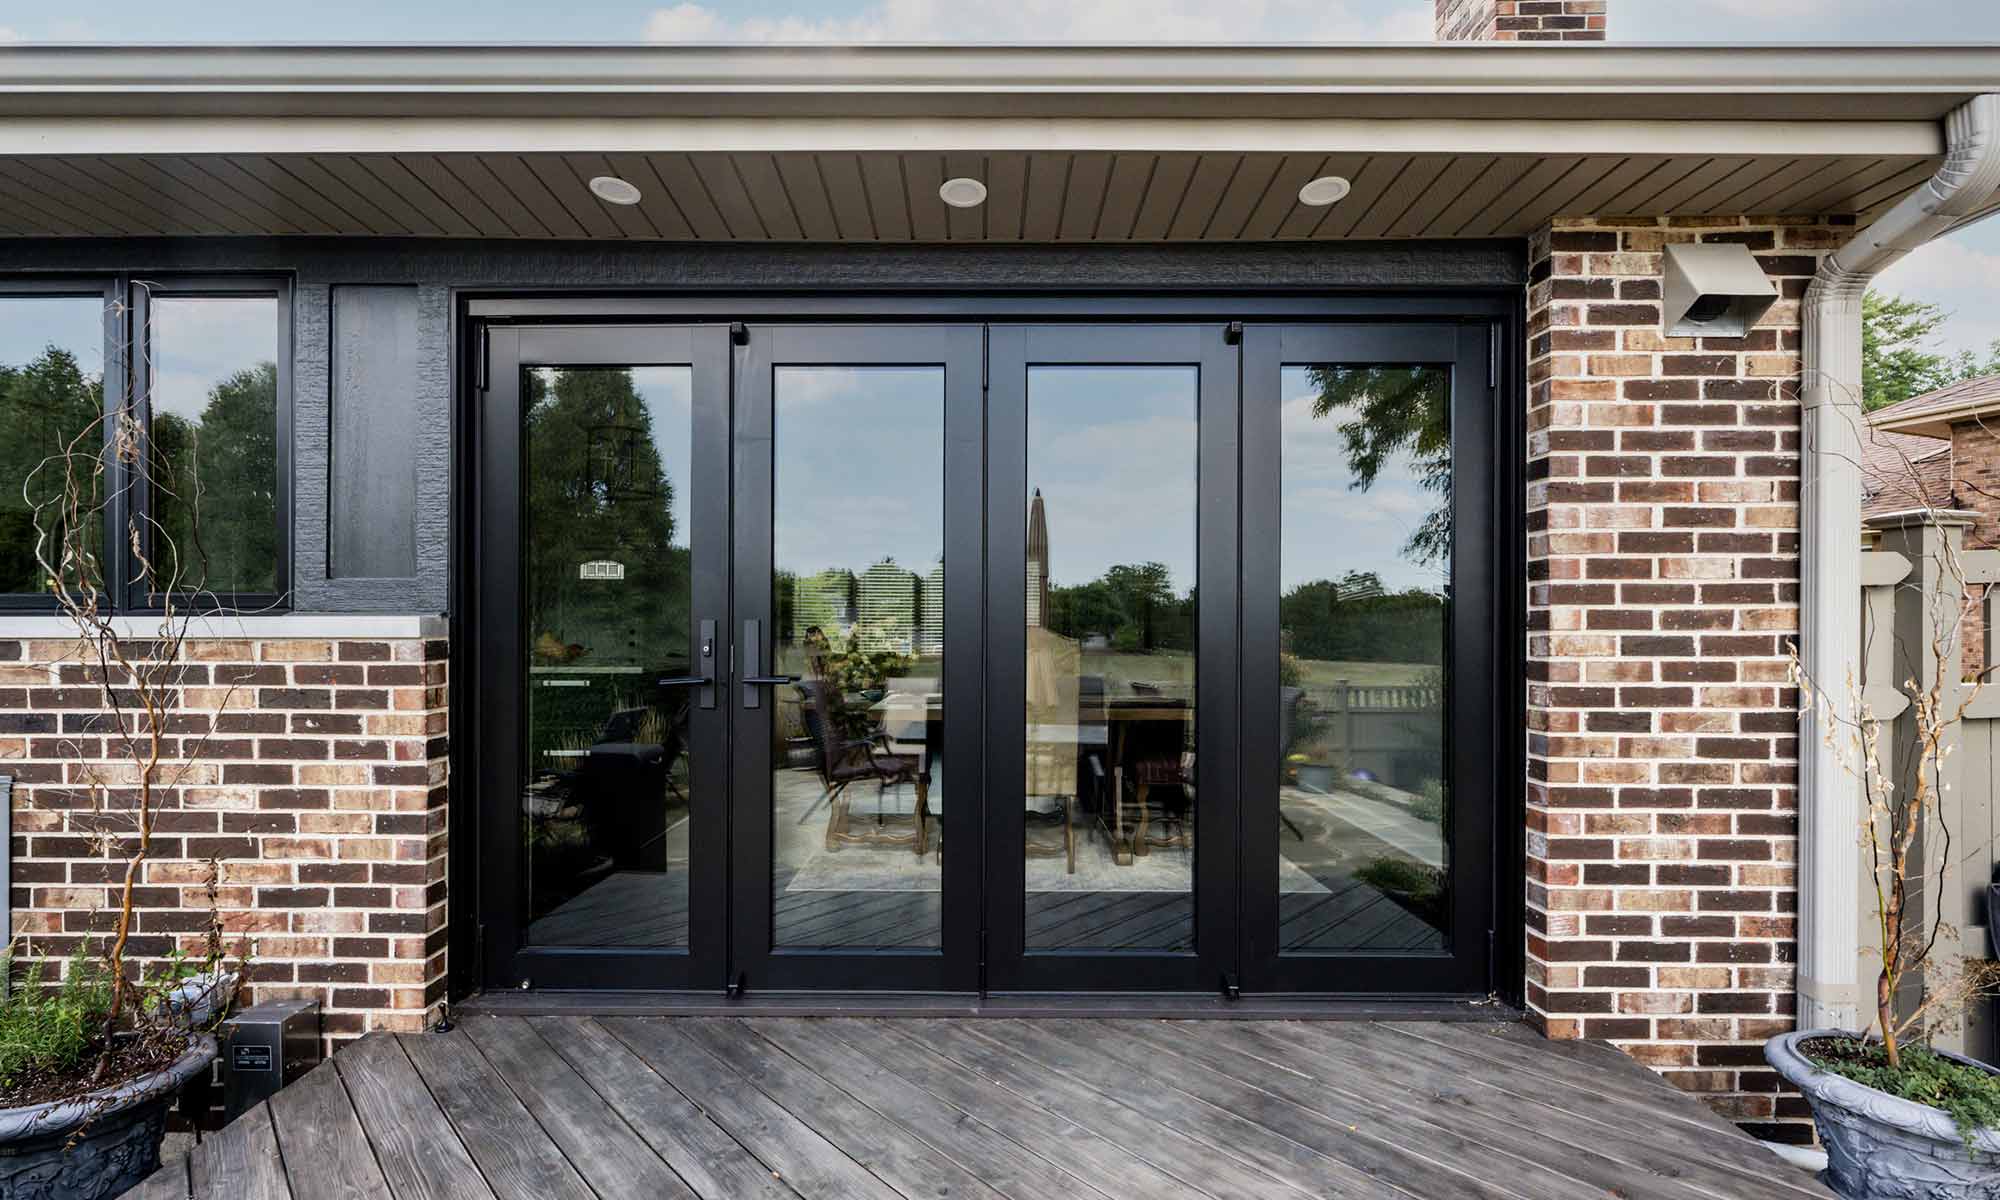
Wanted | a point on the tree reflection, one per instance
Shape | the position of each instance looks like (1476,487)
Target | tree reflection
(44,405)
(216,484)
(1400,416)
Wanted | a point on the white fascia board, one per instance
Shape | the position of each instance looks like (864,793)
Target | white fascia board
(619,135)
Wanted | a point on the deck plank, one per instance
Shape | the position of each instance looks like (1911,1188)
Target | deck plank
(418,1150)
(170,1182)
(1103,1164)
(1177,1155)
(702,1153)
(519,1160)
(596,1140)
(890,1152)
(244,1165)
(988,1153)
(796,1152)
(1072,1050)
(326,1153)
(1409,1084)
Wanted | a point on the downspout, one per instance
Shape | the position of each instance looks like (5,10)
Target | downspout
(1830,990)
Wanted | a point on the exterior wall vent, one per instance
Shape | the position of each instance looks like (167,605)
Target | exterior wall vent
(1714,290)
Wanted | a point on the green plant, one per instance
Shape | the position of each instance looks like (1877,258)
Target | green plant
(50,1029)
(1429,803)
(1411,884)
(1970,1095)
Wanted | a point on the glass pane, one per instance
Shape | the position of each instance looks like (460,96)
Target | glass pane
(212,366)
(51,393)
(606,592)
(858,606)
(1364,802)
(1111,658)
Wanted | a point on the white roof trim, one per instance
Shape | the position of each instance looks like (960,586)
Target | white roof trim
(1490,81)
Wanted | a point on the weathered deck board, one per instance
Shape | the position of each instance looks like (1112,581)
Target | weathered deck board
(899,1108)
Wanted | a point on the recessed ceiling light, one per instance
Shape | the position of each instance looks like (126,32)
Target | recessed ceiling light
(613,190)
(1327,189)
(962,192)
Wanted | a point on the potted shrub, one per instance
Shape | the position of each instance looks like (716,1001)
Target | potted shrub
(93,1053)
(1899,1118)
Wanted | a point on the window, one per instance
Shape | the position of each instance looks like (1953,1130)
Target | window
(213,358)
(52,350)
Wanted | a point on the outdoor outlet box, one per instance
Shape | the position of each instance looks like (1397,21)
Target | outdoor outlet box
(1714,289)
(265,1047)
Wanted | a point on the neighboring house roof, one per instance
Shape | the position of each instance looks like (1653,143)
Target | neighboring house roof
(1933,413)
(1901,471)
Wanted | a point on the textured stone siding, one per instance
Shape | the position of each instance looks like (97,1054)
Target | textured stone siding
(1663,575)
(1521,20)
(317,810)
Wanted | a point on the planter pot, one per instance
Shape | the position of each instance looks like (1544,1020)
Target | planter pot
(119,1146)
(1316,778)
(1883,1147)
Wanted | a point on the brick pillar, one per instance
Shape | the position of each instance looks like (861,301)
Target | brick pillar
(1520,20)
(1663,575)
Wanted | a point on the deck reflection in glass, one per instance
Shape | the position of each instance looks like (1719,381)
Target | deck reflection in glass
(857,603)
(1364,798)
(1110,720)
(606,589)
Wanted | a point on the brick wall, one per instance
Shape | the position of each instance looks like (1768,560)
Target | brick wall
(318,810)
(1521,20)
(1975,487)
(1662,743)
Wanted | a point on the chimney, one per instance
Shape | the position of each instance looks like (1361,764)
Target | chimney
(1520,20)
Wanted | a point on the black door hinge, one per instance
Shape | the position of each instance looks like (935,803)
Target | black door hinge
(738,986)
(1230,990)
(739,333)
(1232,334)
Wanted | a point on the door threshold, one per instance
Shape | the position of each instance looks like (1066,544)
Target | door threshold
(1162,1006)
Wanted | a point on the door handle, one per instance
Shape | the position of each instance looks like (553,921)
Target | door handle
(683,681)
(753,666)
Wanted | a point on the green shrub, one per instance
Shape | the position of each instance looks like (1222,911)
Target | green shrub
(1970,1095)
(1416,887)
(51,1029)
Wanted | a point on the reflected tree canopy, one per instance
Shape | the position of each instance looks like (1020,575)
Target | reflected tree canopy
(1132,606)
(598,492)
(1401,416)
(215,492)
(44,405)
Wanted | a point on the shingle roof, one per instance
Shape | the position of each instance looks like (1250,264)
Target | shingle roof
(1932,413)
(1901,471)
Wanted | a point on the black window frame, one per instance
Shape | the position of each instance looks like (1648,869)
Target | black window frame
(117,385)
(141,291)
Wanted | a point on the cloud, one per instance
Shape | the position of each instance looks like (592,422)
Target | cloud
(8,34)
(1961,274)
(1056,21)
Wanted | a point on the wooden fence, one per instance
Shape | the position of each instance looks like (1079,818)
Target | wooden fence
(1914,586)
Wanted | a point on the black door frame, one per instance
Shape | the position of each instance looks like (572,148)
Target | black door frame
(755,961)
(500,458)
(1475,640)
(1495,313)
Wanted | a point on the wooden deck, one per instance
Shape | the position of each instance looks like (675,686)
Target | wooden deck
(929,1109)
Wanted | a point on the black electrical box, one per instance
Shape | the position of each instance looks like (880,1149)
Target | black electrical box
(265,1047)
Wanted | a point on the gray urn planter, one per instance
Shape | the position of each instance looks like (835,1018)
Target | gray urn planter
(1883,1147)
(119,1146)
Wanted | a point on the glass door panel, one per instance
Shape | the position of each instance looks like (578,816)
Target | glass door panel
(1110,808)
(1367,795)
(858,619)
(857,762)
(1108,818)
(604,537)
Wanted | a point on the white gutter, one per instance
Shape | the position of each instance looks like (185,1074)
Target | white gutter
(1830,872)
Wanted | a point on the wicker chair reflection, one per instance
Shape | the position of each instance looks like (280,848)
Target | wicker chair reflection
(843,762)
